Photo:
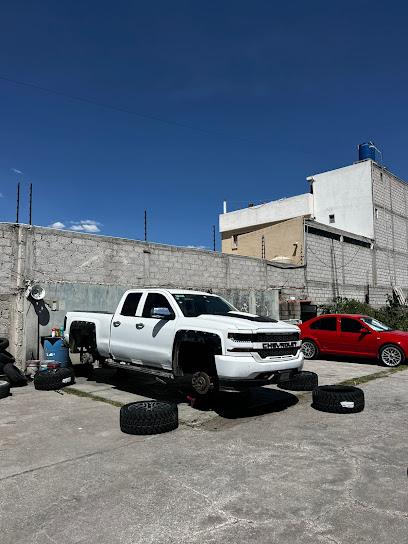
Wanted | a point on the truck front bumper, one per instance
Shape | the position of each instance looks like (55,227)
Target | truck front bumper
(244,372)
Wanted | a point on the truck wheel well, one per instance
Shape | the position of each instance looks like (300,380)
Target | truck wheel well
(194,351)
(82,335)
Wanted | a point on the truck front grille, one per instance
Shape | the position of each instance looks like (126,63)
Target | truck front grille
(263,353)
(271,337)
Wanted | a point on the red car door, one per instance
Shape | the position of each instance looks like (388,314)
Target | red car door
(324,331)
(355,342)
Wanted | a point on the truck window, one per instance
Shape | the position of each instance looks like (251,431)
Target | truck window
(130,305)
(155,300)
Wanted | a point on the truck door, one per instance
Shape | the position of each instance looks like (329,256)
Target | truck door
(123,330)
(155,337)
(139,338)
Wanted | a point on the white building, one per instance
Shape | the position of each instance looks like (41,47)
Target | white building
(358,205)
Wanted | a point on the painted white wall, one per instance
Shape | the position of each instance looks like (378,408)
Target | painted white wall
(346,193)
(279,210)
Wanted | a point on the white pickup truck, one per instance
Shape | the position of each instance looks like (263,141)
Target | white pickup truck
(171,333)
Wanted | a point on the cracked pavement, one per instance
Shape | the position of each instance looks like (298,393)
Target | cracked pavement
(69,476)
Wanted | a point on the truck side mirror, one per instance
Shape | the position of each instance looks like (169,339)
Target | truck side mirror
(364,331)
(162,313)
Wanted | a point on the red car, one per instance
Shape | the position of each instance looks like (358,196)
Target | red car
(355,335)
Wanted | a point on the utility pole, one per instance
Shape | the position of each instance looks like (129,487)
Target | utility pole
(18,200)
(214,236)
(145,217)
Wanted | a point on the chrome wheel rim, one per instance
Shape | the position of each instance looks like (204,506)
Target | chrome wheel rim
(308,350)
(391,356)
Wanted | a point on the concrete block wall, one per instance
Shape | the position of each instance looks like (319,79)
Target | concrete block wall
(11,280)
(87,272)
(337,268)
(390,198)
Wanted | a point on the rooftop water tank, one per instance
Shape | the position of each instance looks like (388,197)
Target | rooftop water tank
(282,259)
(366,151)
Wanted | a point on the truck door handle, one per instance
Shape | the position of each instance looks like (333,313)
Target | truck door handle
(139,326)
(116,323)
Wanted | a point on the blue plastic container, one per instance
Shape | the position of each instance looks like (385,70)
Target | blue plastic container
(366,151)
(55,351)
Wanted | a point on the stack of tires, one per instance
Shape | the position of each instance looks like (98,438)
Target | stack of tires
(10,375)
(336,399)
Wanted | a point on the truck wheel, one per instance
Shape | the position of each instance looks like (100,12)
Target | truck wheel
(4,344)
(148,417)
(302,381)
(15,376)
(202,383)
(338,399)
(53,379)
(4,389)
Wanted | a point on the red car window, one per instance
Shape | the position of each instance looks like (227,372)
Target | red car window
(350,325)
(324,324)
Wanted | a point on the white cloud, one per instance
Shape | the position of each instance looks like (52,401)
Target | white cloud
(16,171)
(86,225)
(1,195)
(196,247)
(90,222)
(91,228)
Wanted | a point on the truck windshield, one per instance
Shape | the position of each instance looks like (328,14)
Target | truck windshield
(193,305)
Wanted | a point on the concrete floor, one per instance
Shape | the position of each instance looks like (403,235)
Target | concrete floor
(133,387)
(286,474)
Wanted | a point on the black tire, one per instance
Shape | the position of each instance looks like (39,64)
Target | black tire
(14,375)
(148,417)
(391,355)
(309,349)
(4,389)
(302,381)
(4,344)
(338,399)
(6,358)
(53,379)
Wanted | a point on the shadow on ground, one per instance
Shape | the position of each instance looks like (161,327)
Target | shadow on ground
(257,401)
(345,359)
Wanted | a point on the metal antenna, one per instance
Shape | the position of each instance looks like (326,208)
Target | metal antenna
(31,200)
(18,200)
(145,226)
(214,236)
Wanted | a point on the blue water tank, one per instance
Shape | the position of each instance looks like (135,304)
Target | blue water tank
(55,351)
(366,151)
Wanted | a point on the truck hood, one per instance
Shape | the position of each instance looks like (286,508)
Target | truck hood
(244,321)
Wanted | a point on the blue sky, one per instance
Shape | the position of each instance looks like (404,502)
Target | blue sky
(307,81)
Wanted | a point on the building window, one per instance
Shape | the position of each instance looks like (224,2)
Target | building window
(376,213)
(235,240)
(331,218)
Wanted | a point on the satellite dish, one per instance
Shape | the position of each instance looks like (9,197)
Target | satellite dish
(37,292)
